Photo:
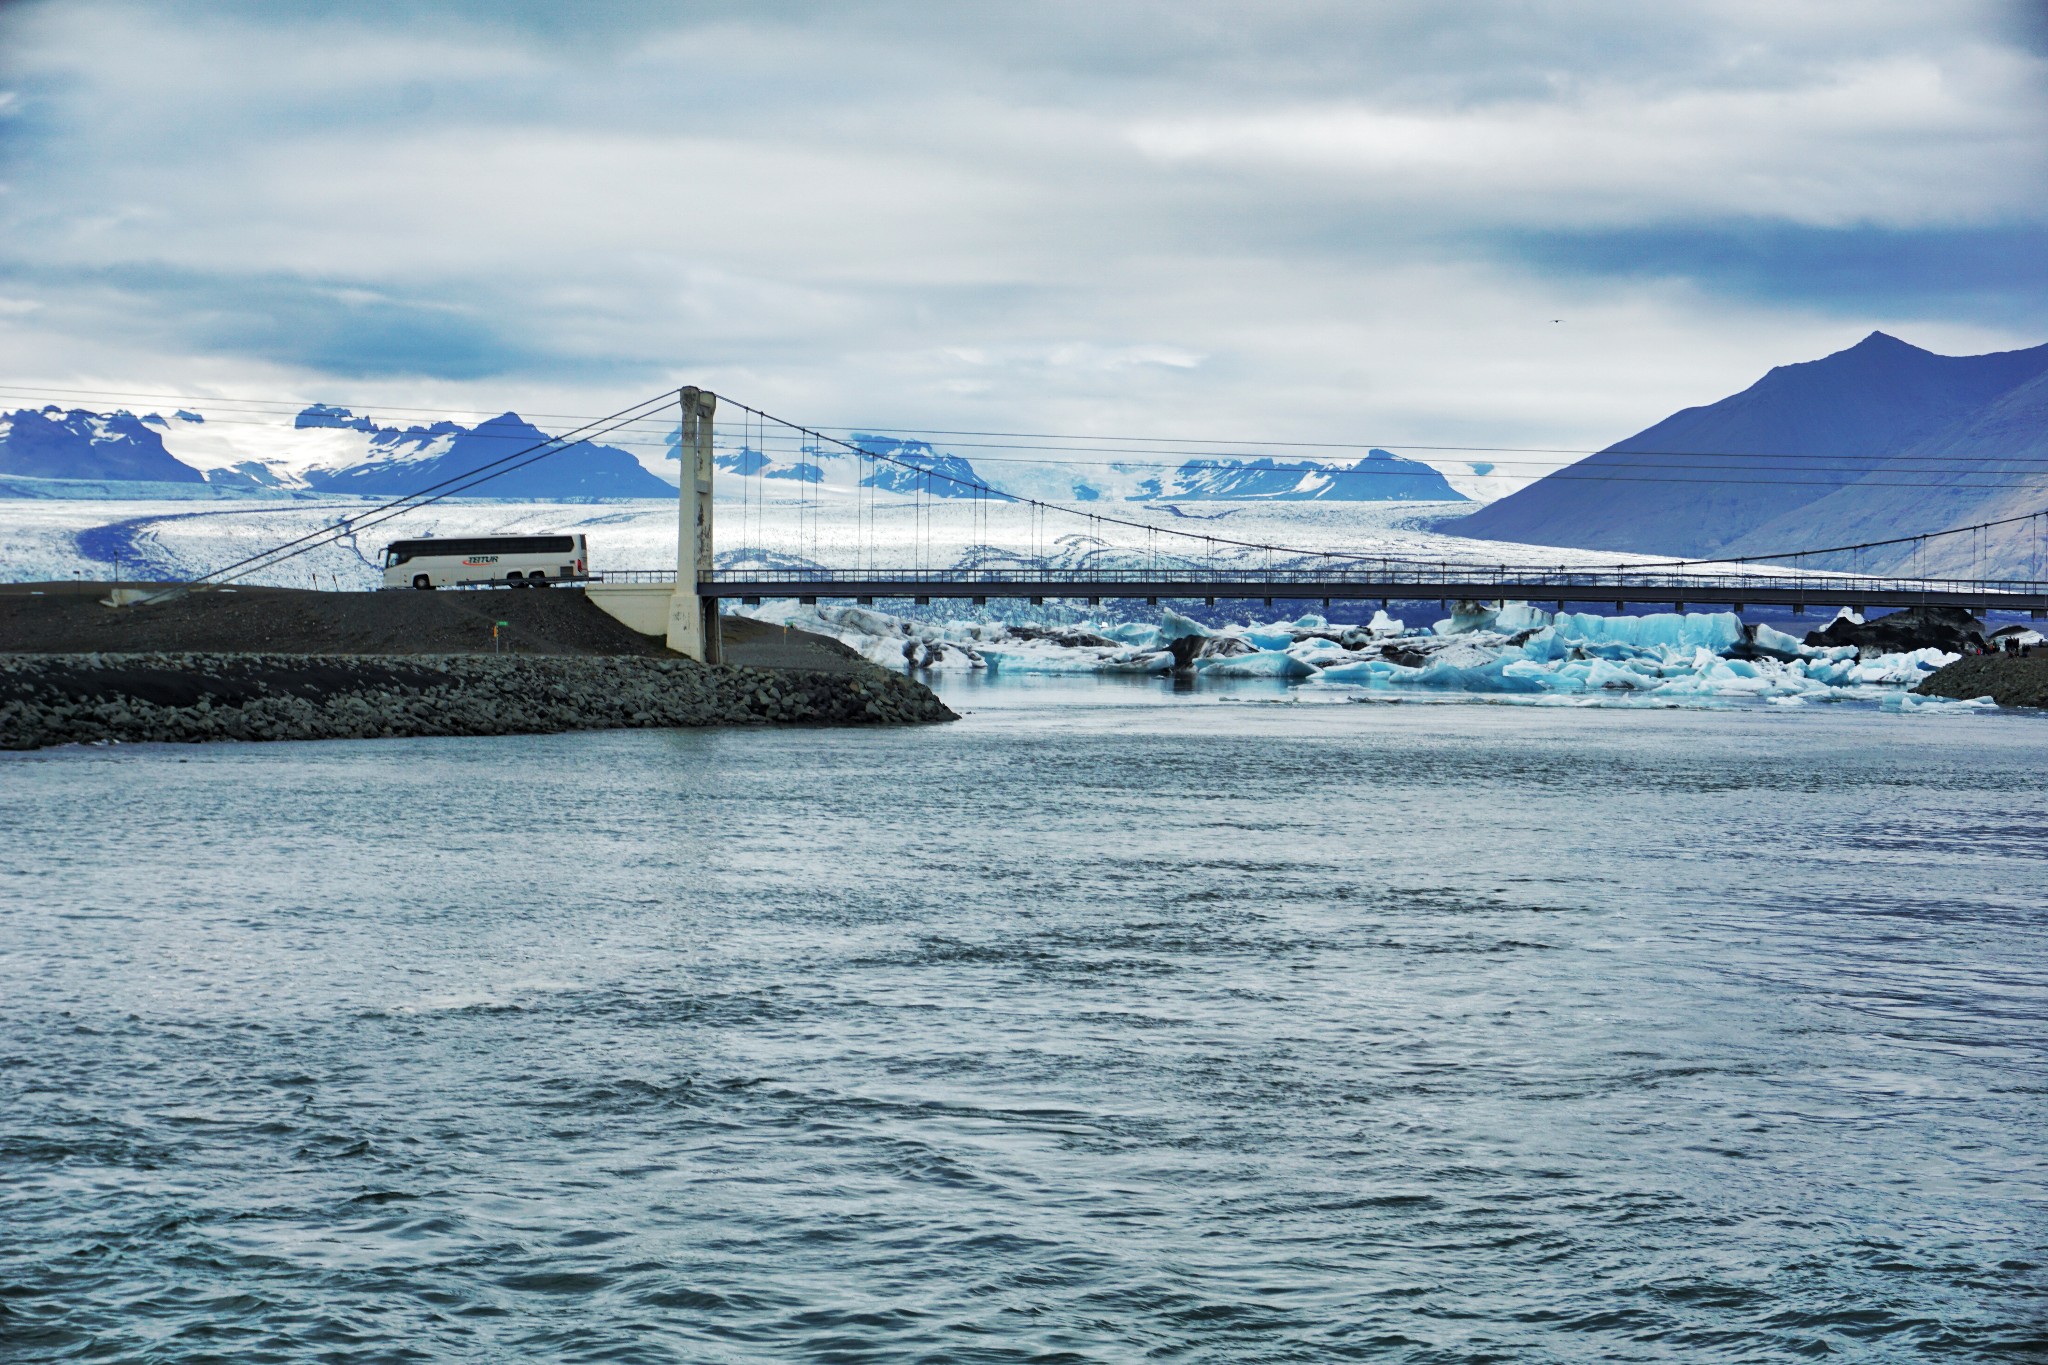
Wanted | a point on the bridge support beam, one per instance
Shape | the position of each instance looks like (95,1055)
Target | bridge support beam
(693,620)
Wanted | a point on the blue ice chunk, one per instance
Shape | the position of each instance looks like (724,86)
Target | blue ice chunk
(1545,646)
(1486,677)
(1132,633)
(1264,664)
(1275,636)
(1719,631)
(1781,645)
(1515,617)
(1369,672)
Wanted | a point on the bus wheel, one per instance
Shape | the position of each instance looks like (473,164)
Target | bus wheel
(538,578)
(422,582)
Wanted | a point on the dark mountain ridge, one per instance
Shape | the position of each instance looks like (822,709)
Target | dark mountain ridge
(1706,478)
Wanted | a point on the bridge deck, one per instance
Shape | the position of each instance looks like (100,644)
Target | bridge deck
(1406,583)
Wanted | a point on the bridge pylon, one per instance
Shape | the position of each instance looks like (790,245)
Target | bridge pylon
(692,618)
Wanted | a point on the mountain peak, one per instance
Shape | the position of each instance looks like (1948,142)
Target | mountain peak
(1884,342)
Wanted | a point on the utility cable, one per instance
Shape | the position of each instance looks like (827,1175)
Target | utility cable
(418,498)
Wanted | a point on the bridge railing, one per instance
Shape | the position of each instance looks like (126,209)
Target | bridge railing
(633,576)
(1406,575)
(1393,578)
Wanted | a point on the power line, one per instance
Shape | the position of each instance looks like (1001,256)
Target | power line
(1844,549)
(410,502)
(1039,505)
(582,435)
(1650,474)
(1167,445)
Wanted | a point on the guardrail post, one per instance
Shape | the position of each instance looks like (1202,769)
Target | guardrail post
(693,620)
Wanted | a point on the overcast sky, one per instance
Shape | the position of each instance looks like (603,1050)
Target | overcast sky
(1407,223)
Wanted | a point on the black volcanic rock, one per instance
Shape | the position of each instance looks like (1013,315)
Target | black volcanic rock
(1950,629)
(2007,680)
(48,699)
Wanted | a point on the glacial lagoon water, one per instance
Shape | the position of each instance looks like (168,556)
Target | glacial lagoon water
(1102,1025)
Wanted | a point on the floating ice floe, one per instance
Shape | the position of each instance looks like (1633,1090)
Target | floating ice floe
(1911,703)
(1511,651)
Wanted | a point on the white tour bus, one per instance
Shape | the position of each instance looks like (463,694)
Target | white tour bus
(525,561)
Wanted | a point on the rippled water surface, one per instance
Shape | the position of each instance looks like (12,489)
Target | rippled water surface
(1097,1026)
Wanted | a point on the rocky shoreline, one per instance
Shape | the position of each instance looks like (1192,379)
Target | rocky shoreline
(2007,680)
(50,699)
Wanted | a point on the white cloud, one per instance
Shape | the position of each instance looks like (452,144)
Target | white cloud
(1104,216)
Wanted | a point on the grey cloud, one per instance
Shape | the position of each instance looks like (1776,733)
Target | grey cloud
(329,326)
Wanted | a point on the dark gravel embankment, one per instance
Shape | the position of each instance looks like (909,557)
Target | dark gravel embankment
(50,699)
(67,618)
(2006,680)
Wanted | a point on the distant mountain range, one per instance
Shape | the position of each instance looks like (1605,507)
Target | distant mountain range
(1377,476)
(1882,439)
(401,461)
(332,450)
(326,450)
(917,467)
(55,443)
(899,467)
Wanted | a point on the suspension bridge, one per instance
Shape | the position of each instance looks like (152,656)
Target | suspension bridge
(885,530)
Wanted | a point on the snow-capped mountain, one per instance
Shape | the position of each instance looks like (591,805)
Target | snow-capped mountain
(913,466)
(910,467)
(1378,476)
(59,443)
(403,461)
(325,450)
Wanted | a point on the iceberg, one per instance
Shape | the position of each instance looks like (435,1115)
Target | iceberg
(1313,648)
(1516,617)
(1778,644)
(1041,658)
(1900,669)
(1275,636)
(1367,672)
(1521,652)
(1130,633)
(1173,626)
(1719,631)
(1262,663)
(1509,618)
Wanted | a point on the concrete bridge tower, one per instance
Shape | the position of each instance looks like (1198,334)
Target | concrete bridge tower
(693,618)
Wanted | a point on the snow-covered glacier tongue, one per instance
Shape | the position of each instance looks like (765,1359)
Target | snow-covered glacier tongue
(1506,652)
